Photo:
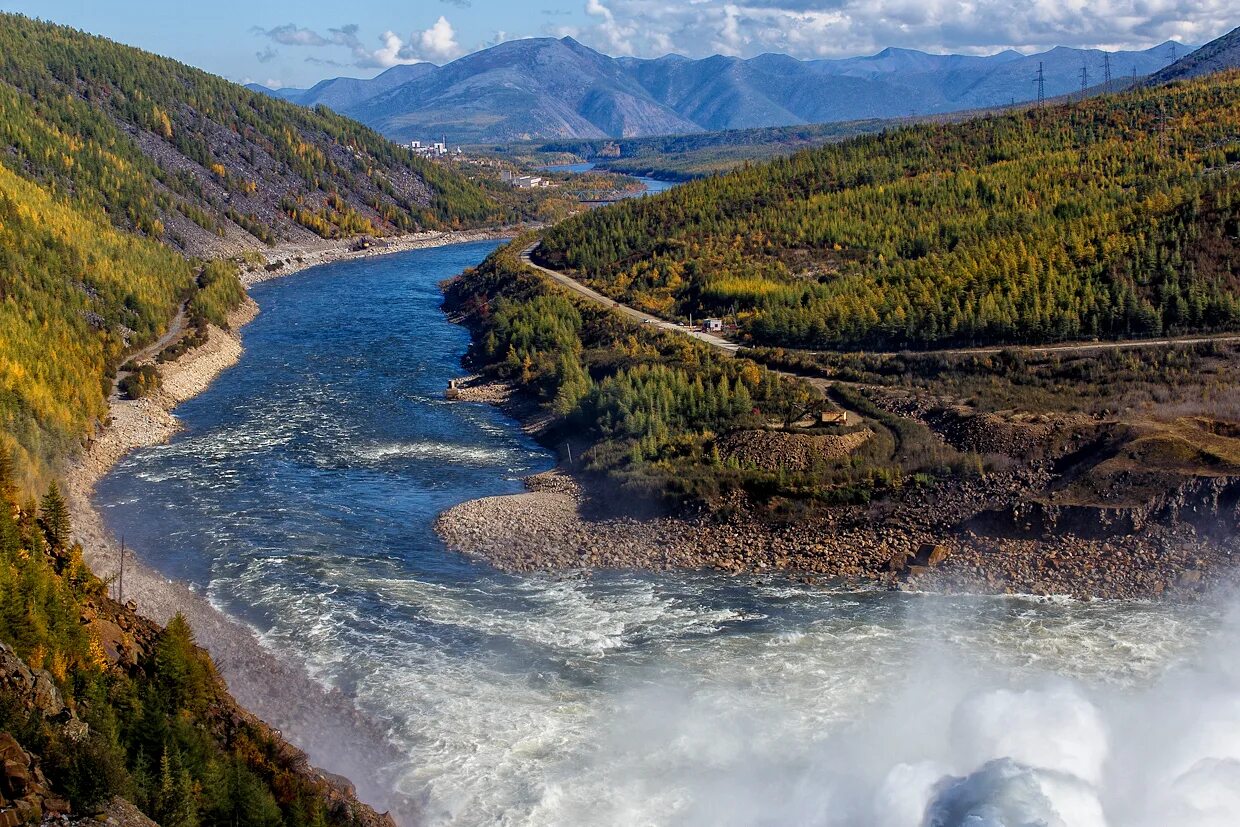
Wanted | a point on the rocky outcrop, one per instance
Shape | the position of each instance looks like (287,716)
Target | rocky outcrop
(1209,505)
(33,688)
(25,794)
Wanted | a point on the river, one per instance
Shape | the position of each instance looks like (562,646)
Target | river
(653,186)
(300,499)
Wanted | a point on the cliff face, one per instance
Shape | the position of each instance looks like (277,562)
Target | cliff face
(1208,505)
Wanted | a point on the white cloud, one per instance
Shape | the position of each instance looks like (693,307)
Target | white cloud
(834,28)
(435,43)
(439,41)
(617,37)
(392,53)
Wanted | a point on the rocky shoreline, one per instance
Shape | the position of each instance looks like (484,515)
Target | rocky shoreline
(323,723)
(287,259)
(917,541)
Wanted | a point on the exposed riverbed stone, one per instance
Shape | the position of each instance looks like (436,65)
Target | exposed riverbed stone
(911,543)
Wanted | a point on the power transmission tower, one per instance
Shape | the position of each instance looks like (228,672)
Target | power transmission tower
(120,575)
(1106,71)
(1173,52)
(1084,78)
(1040,80)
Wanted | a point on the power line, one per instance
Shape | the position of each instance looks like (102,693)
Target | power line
(120,574)
(1040,80)
(1084,78)
(1106,70)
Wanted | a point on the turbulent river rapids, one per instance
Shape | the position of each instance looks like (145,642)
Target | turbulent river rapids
(300,498)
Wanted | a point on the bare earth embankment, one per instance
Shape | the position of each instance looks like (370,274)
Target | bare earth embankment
(916,539)
(322,722)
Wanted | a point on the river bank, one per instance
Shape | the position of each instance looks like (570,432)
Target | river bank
(915,540)
(287,259)
(325,724)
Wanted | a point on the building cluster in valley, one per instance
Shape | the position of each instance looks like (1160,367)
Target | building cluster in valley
(438,149)
(525,182)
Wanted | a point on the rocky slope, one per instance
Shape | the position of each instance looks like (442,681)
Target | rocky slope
(1216,56)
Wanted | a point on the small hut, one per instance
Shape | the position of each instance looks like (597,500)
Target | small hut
(832,416)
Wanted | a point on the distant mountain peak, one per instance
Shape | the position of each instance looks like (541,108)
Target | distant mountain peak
(550,88)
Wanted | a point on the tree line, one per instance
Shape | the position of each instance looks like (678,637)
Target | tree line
(1112,217)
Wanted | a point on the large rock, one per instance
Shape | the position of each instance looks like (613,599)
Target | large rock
(932,555)
(24,789)
(33,687)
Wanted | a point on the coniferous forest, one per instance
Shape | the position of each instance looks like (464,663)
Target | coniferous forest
(1114,217)
(133,710)
(178,154)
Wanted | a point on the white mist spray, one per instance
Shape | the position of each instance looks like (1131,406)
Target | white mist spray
(958,746)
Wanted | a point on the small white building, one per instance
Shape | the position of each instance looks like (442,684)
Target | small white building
(528,182)
(713,325)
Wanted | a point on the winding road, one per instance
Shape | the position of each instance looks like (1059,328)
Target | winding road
(175,328)
(730,348)
(717,342)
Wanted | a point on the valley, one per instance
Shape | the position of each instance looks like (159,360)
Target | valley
(877,461)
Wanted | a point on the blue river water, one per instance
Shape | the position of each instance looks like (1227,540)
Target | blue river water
(653,186)
(300,498)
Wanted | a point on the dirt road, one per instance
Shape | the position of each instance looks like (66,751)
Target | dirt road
(729,347)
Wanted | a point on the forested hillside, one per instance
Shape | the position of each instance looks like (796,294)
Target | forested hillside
(107,151)
(192,159)
(641,406)
(1114,217)
(96,702)
(75,293)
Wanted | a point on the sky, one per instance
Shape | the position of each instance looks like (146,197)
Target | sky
(298,42)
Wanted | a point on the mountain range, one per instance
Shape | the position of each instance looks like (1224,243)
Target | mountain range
(542,88)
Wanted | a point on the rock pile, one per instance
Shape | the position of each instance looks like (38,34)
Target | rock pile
(773,450)
(24,793)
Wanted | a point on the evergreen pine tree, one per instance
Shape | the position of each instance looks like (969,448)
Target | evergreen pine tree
(54,519)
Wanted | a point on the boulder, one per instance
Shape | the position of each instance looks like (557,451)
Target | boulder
(34,687)
(932,555)
(899,561)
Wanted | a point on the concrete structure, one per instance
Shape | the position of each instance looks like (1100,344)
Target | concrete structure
(529,182)
(713,325)
(435,150)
